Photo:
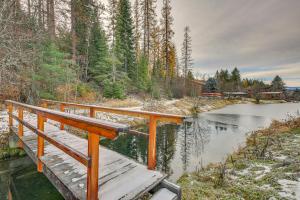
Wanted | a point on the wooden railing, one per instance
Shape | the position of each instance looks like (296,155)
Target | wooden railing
(212,94)
(153,118)
(95,128)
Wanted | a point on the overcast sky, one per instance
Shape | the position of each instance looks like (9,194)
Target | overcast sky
(260,37)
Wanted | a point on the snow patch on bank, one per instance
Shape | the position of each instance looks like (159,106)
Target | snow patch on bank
(3,121)
(290,189)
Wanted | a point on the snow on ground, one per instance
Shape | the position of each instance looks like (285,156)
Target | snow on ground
(290,189)
(3,121)
(281,157)
(106,116)
(262,173)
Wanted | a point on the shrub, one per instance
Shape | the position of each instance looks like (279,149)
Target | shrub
(113,90)
(153,89)
(84,89)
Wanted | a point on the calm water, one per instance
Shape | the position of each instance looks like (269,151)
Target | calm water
(208,138)
(203,140)
(24,182)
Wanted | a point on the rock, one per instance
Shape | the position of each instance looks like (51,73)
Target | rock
(272,198)
(284,163)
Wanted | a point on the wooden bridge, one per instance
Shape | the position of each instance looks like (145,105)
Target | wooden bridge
(80,168)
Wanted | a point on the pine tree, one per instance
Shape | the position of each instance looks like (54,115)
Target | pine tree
(167,34)
(53,70)
(98,52)
(186,54)
(277,84)
(211,85)
(50,19)
(82,19)
(223,78)
(137,29)
(172,62)
(149,22)
(124,47)
(235,79)
(112,21)
(156,51)
(142,73)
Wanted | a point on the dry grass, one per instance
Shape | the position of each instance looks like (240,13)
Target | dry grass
(2,106)
(122,103)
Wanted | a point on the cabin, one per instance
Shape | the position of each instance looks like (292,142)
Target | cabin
(196,86)
(235,94)
(212,94)
(272,95)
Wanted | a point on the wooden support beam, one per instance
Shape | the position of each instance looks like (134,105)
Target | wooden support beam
(20,126)
(9,196)
(92,171)
(152,143)
(44,105)
(92,112)
(10,112)
(40,143)
(62,109)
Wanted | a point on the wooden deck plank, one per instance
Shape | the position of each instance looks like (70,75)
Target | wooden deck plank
(119,176)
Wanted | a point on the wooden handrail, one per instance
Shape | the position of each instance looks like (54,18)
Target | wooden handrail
(103,128)
(163,117)
(153,117)
(85,160)
(95,128)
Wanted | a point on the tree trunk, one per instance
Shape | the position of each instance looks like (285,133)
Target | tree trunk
(40,20)
(73,31)
(51,19)
(28,8)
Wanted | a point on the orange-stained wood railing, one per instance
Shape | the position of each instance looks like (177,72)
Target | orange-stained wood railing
(153,118)
(95,128)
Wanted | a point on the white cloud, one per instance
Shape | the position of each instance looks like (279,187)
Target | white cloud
(290,71)
(242,33)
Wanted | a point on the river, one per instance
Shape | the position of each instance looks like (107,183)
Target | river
(209,138)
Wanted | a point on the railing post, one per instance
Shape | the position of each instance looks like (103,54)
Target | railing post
(10,112)
(41,143)
(62,109)
(152,143)
(92,112)
(20,127)
(92,171)
(9,196)
(44,104)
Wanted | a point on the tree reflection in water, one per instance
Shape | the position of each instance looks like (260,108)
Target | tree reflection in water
(166,139)
(200,134)
(192,137)
(195,136)
(130,145)
(186,144)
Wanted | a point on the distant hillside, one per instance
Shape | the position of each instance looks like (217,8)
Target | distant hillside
(292,88)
